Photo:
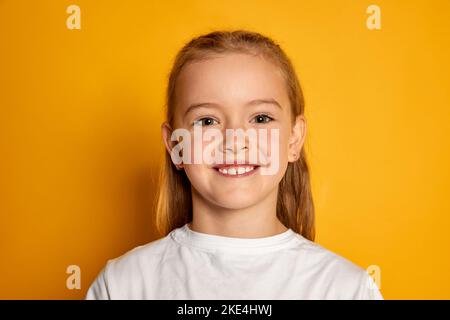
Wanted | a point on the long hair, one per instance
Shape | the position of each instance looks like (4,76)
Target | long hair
(295,208)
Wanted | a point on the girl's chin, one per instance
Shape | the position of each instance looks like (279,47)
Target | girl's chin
(235,199)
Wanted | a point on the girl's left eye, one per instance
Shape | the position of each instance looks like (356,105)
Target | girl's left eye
(262,118)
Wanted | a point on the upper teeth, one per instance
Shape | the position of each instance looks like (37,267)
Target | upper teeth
(235,170)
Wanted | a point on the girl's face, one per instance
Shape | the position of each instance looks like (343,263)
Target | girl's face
(216,93)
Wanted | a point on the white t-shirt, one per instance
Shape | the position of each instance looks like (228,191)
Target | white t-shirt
(187,264)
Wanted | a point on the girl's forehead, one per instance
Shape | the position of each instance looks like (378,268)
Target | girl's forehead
(230,79)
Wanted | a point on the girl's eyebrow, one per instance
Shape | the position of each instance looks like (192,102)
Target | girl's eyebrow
(249,103)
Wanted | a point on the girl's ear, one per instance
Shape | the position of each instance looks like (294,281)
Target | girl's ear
(297,138)
(166,131)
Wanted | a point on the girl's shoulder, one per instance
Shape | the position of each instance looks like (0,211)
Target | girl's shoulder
(336,270)
(319,255)
(120,274)
(142,256)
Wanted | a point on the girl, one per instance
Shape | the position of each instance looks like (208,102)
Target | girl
(232,232)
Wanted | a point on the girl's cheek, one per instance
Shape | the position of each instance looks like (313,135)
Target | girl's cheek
(277,140)
(204,148)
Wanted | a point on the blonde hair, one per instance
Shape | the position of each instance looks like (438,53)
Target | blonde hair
(295,208)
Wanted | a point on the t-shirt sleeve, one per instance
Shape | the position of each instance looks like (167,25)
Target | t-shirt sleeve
(99,288)
(368,289)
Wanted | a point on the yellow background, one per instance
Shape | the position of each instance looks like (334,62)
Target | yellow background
(80,141)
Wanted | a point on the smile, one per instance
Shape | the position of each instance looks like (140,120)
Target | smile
(236,170)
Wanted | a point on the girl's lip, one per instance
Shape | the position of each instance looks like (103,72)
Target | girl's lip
(237,175)
(235,164)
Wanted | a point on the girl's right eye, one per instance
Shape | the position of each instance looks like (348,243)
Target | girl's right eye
(205,122)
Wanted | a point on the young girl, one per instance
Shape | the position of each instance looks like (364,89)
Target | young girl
(232,232)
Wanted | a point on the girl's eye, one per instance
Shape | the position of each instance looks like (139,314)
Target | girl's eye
(262,118)
(205,122)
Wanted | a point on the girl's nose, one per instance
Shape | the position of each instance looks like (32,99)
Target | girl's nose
(237,141)
(237,148)
(237,145)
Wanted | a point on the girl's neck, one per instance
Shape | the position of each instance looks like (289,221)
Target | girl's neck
(257,221)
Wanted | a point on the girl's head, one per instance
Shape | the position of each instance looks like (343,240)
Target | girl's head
(236,80)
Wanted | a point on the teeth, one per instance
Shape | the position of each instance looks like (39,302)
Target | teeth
(236,170)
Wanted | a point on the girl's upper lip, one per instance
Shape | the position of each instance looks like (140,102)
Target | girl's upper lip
(235,164)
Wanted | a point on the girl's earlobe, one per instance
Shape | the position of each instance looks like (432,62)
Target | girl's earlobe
(294,157)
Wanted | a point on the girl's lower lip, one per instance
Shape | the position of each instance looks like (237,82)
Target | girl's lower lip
(237,175)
